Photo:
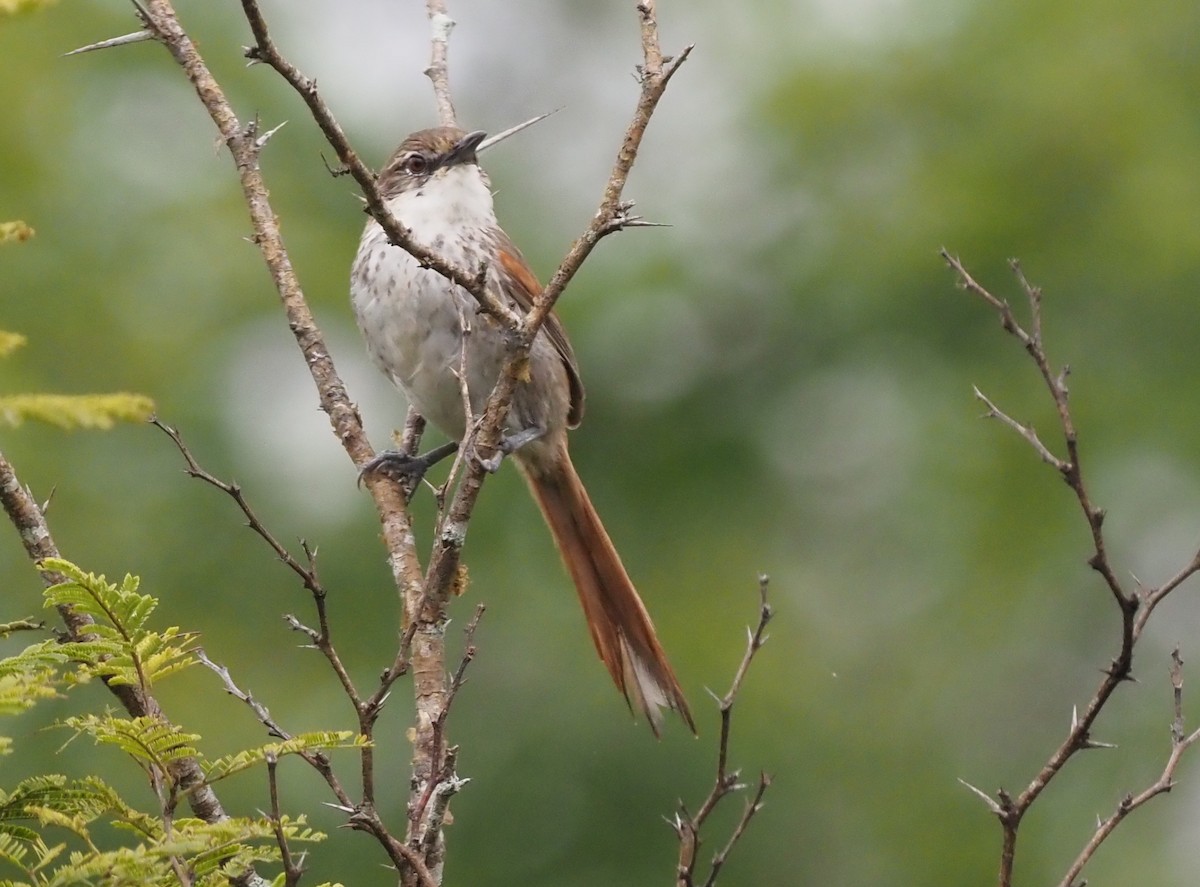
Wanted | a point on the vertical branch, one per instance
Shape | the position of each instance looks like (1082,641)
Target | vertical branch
(438,71)
(425,598)
(426,604)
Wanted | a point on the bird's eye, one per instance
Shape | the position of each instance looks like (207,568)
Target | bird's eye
(416,164)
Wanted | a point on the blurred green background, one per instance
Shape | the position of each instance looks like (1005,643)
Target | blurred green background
(780,382)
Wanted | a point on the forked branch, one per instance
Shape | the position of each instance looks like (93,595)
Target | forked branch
(688,826)
(1135,607)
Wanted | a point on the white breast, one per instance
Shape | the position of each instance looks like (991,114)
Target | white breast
(411,317)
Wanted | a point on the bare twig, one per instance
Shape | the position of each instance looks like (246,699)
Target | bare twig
(292,868)
(1180,742)
(319,761)
(438,71)
(1056,384)
(1026,431)
(1135,607)
(321,639)
(752,807)
(654,75)
(687,826)
(307,573)
(362,815)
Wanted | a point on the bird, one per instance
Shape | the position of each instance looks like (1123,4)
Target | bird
(427,335)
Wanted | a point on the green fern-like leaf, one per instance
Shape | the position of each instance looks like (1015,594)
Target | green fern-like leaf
(19,692)
(77,824)
(46,655)
(320,741)
(120,650)
(149,740)
(71,411)
(123,867)
(89,798)
(121,607)
(166,652)
(215,849)
(151,656)
(12,850)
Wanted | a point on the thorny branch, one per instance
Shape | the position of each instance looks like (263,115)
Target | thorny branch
(245,144)
(687,826)
(1135,606)
(1180,742)
(425,598)
(613,214)
(361,816)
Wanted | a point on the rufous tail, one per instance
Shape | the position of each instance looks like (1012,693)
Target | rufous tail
(617,618)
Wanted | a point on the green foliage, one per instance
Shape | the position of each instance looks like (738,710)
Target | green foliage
(152,742)
(49,824)
(76,411)
(207,852)
(305,742)
(21,691)
(121,649)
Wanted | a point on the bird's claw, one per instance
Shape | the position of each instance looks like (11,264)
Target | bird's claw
(399,465)
(509,444)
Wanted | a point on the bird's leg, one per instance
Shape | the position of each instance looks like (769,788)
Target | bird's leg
(396,464)
(509,444)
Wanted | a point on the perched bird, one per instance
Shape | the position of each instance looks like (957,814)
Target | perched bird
(412,319)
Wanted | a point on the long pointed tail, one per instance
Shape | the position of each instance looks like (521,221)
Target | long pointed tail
(617,618)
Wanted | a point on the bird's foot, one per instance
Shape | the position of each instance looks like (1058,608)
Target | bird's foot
(398,465)
(509,444)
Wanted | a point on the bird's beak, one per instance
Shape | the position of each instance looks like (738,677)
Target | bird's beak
(464,149)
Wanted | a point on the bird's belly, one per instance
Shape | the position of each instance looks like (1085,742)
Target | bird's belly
(412,320)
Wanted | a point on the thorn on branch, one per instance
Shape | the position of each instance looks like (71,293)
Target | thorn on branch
(1060,381)
(985,797)
(262,140)
(124,40)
